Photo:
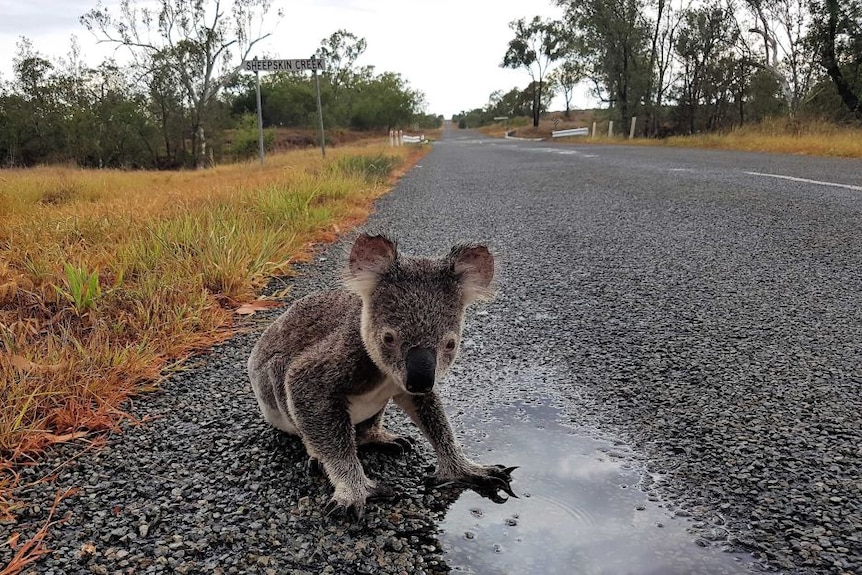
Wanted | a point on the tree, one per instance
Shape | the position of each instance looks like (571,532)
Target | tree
(513,103)
(536,45)
(705,48)
(612,38)
(64,111)
(385,101)
(837,35)
(190,44)
(782,26)
(341,50)
(567,76)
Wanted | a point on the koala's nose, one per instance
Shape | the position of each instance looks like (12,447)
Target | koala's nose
(421,364)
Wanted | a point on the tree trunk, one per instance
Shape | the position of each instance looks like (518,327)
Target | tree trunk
(830,62)
(650,100)
(537,102)
(201,148)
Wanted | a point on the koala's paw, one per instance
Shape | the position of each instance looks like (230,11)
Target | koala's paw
(385,442)
(347,502)
(486,480)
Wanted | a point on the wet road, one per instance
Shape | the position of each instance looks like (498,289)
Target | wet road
(705,307)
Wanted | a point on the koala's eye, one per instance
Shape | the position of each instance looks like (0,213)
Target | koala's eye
(450,345)
(388,338)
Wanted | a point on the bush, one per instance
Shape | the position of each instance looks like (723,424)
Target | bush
(373,168)
(244,143)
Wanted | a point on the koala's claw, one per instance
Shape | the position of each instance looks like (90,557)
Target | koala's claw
(406,443)
(487,483)
(335,508)
(355,505)
(396,447)
(507,470)
(382,492)
(313,467)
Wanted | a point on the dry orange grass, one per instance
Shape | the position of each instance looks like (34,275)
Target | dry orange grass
(782,136)
(779,135)
(107,276)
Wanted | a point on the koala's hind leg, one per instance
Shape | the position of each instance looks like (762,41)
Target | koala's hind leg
(370,434)
(330,438)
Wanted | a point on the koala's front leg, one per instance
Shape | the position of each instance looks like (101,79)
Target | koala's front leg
(325,428)
(427,413)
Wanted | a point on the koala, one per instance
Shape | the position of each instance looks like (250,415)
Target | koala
(326,369)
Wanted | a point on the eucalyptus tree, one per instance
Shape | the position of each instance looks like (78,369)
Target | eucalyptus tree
(705,47)
(195,45)
(782,26)
(613,39)
(342,75)
(837,35)
(536,45)
(341,50)
(567,76)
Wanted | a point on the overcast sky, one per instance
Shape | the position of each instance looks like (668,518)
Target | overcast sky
(450,50)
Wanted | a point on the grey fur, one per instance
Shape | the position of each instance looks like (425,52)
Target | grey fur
(326,369)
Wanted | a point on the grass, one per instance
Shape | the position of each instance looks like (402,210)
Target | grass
(106,277)
(778,135)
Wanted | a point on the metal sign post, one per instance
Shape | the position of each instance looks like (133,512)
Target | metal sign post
(259,115)
(320,115)
(297,65)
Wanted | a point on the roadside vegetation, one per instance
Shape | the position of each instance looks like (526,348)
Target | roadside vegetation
(777,135)
(775,75)
(176,97)
(108,278)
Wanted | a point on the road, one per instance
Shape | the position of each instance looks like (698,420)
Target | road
(699,310)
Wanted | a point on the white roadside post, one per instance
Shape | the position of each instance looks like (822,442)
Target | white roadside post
(504,118)
(296,65)
(611,129)
(632,129)
(593,133)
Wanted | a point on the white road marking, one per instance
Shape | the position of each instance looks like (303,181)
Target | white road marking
(807,181)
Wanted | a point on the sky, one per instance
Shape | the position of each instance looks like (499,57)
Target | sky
(448,49)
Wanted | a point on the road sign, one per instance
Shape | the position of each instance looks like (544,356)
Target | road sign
(296,65)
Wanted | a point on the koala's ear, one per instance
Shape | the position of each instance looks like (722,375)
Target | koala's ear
(370,257)
(474,266)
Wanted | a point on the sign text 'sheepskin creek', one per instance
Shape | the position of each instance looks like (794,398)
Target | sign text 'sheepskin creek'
(297,65)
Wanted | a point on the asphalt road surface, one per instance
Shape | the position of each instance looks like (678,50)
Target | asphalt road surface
(699,312)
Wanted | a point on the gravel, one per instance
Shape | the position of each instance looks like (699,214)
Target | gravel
(711,320)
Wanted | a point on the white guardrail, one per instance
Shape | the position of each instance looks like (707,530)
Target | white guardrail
(571,132)
(398,138)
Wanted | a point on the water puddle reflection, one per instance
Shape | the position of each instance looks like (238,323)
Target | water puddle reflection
(581,508)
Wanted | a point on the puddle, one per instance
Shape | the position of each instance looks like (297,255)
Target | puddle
(581,508)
